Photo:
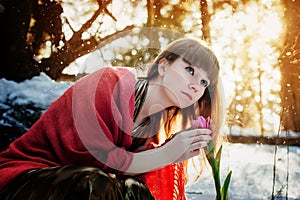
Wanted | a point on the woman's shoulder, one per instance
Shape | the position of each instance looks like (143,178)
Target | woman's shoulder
(117,71)
(109,74)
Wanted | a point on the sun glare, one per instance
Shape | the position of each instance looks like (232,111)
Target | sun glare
(247,39)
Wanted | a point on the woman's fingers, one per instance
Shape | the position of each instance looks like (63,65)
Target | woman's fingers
(193,150)
(187,144)
(197,132)
(199,135)
(198,145)
(199,139)
(204,138)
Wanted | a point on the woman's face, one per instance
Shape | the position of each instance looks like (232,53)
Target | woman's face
(183,83)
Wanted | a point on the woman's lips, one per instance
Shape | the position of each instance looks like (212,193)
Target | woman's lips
(187,94)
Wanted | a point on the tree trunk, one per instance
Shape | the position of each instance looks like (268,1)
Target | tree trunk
(16,55)
(205,17)
(21,41)
(290,70)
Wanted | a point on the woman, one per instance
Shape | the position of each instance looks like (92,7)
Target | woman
(113,124)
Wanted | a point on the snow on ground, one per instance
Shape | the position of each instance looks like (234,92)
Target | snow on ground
(40,90)
(252,165)
(252,173)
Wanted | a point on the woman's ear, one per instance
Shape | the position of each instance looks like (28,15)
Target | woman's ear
(162,66)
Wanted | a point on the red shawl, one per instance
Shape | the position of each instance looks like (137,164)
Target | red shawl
(95,113)
(89,116)
(166,183)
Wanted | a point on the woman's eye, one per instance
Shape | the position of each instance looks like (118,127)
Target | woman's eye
(204,82)
(190,70)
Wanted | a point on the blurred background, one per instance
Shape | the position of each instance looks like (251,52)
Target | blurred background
(257,44)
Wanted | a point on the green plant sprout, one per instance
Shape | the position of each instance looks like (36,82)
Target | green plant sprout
(214,161)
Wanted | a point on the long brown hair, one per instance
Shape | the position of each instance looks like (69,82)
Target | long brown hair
(173,119)
(209,105)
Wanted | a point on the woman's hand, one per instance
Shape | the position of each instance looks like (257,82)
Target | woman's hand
(186,144)
(180,147)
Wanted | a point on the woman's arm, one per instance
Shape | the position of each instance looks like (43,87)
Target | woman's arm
(182,146)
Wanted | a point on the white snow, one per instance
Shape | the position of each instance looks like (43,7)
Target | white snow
(40,90)
(252,165)
(252,173)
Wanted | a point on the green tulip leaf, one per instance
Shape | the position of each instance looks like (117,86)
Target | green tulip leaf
(218,157)
(225,187)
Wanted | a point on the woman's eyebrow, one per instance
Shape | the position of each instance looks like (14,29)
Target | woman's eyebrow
(184,60)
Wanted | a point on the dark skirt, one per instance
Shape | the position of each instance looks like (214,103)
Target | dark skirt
(76,182)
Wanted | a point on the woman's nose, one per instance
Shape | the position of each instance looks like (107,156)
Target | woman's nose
(195,87)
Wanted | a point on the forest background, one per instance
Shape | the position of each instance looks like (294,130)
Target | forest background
(257,43)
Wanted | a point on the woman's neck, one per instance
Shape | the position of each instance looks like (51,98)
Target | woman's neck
(155,101)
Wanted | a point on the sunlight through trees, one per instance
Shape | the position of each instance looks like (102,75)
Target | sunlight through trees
(248,37)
